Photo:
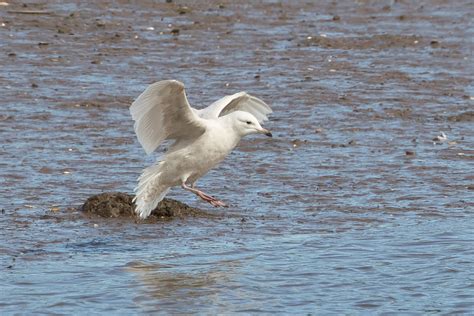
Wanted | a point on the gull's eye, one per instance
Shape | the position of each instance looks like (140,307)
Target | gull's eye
(248,122)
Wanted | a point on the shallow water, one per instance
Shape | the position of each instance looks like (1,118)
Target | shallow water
(350,208)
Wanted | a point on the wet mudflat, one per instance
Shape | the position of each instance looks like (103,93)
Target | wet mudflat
(352,206)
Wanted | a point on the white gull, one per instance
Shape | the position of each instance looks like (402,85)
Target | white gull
(203,138)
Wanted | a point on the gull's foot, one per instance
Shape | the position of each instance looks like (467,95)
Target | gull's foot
(211,200)
(218,203)
(206,197)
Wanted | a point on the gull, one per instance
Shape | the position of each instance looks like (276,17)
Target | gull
(202,138)
(440,138)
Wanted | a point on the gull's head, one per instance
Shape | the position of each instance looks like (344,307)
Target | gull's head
(246,124)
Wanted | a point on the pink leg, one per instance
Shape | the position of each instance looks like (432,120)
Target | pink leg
(211,200)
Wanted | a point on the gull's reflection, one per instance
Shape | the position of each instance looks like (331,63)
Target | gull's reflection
(168,285)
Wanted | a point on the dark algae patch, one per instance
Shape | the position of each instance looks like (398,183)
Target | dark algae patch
(118,204)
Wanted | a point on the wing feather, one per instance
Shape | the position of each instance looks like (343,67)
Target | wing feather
(240,101)
(162,112)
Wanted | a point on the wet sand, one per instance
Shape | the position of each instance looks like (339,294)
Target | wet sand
(352,206)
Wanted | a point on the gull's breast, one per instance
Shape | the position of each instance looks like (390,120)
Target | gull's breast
(209,150)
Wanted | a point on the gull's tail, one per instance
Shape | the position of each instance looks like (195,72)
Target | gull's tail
(149,191)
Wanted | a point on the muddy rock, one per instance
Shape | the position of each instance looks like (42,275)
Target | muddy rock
(118,204)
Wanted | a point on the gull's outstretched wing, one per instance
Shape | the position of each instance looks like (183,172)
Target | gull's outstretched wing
(241,101)
(162,112)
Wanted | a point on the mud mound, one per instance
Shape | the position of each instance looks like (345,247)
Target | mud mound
(462,117)
(118,204)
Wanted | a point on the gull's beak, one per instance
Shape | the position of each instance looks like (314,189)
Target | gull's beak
(266,132)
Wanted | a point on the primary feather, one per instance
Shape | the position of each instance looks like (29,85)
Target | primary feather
(241,101)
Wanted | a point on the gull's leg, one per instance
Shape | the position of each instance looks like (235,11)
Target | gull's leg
(206,197)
